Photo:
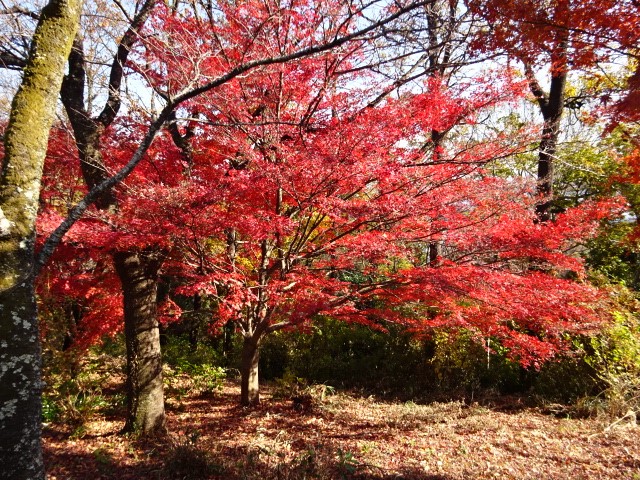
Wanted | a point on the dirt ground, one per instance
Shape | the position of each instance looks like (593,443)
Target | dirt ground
(346,436)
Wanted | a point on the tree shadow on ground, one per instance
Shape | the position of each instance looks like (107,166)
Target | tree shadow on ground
(73,465)
(324,462)
(199,464)
(214,437)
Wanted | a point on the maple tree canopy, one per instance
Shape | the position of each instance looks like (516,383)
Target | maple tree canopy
(294,197)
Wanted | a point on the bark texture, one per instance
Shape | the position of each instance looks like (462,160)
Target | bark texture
(145,394)
(138,271)
(249,385)
(32,114)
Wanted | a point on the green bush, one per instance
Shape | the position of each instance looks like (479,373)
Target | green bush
(601,375)
(459,362)
(51,410)
(356,356)
(189,370)
(565,380)
(178,352)
(75,384)
(614,357)
(393,362)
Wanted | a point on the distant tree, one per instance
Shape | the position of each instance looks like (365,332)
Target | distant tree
(560,36)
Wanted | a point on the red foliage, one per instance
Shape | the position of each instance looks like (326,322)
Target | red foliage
(300,200)
(531,30)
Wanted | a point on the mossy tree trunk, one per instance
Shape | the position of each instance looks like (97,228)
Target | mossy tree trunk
(32,114)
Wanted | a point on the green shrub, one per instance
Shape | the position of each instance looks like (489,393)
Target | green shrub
(75,385)
(356,356)
(614,357)
(200,379)
(189,371)
(380,361)
(565,380)
(393,362)
(51,410)
(178,352)
(459,362)
(288,386)
(601,375)
(207,378)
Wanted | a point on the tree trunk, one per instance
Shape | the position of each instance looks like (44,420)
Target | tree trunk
(32,114)
(20,405)
(249,386)
(138,272)
(548,148)
(551,106)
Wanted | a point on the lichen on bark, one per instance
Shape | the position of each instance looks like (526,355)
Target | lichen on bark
(32,114)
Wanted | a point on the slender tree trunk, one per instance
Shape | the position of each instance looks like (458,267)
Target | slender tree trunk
(227,344)
(194,322)
(551,106)
(32,114)
(548,148)
(249,386)
(138,273)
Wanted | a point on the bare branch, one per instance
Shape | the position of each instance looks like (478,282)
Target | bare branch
(21,11)
(110,110)
(76,212)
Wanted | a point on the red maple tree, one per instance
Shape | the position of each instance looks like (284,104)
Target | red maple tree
(285,196)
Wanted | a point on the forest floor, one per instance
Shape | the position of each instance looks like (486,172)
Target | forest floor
(346,436)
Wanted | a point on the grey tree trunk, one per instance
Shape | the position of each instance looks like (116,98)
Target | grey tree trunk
(249,386)
(145,393)
(32,114)
(138,271)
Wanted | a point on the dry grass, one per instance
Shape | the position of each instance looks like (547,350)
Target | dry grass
(347,437)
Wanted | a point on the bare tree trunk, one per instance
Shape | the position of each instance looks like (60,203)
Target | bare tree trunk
(138,273)
(548,147)
(249,385)
(551,106)
(32,114)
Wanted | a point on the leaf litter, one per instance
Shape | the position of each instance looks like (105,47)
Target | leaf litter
(345,436)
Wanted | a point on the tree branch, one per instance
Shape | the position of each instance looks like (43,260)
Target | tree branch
(76,212)
(11,61)
(536,89)
(129,38)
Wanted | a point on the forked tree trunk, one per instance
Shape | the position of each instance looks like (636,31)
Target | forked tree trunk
(32,114)
(249,386)
(138,272)
(551,106)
